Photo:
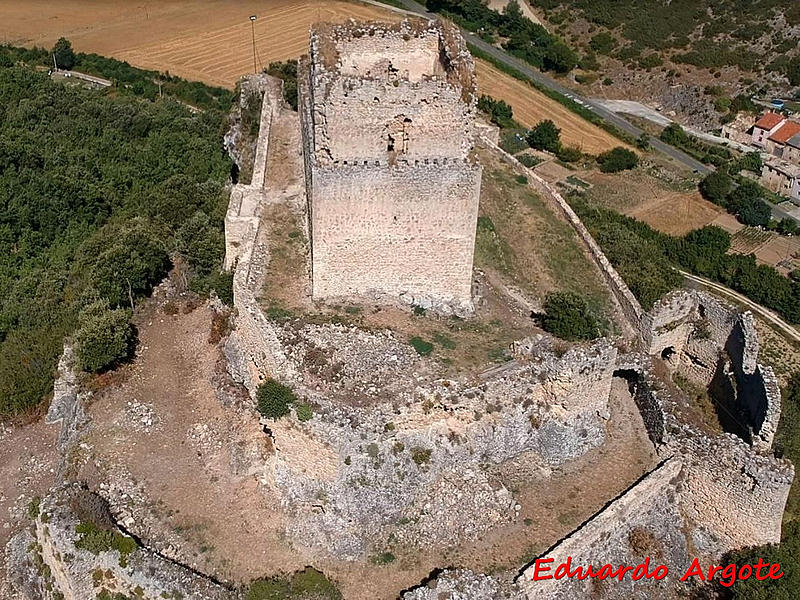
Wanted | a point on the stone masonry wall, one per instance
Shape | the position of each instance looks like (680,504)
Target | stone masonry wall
(644,521)
(714,341)
(387,117)
(79,574)
(395,230)
(630,306)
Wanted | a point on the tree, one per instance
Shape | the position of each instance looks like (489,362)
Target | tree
(643,141)
(545,136)
(104,337)
(568,316)
(65,57)
(274,399)
(747,204)
(674,135)
(716,186)
(560,58)
(617,159)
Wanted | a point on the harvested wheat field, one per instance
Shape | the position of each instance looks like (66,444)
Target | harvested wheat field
(531,106)
(677,213)
(211,41)
(205,40)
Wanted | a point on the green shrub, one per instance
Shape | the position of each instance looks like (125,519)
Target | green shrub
(569,154)
(422,347)
(521,179)
(308,584)
(95,540)
(288,72)
(568,316)
(305,412)
(545,136)
(617,159)
(104,337)
(528,160)
(715,187)
(500,113)
(274,399)
(384,558)
(421,456)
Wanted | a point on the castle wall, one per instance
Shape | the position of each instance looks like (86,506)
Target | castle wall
(401,229)
(426,120)
(387,116)
(735,496)
(649,509)
(630,306)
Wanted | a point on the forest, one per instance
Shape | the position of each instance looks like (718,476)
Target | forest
(522,37)
(99,194)
(703,33)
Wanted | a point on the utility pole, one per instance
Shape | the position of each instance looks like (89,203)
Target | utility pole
(253,28)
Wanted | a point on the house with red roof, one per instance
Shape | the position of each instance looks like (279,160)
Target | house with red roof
(777,141)
(768,124)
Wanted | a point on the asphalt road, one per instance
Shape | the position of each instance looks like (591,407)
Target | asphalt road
(604,113)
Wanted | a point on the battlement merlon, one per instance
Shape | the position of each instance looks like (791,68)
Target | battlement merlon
(385,92)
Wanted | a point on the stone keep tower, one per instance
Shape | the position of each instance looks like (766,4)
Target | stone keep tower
(392,181)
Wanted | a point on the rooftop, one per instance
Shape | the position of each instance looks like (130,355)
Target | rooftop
(786,131)
(769,120)
(794,141)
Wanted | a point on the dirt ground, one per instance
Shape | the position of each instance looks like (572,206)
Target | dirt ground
(221,523)
(676,213)
(531,106)
(552,508)
(28,463)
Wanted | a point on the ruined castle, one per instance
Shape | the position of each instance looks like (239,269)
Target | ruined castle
(398,454)
(387,118)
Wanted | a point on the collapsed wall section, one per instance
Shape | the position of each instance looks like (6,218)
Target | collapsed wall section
(713,344)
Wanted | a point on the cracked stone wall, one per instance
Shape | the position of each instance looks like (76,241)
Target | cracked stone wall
(78,574)
(644,521)
(418,468)
(709,495)
(713,343)
(401,188)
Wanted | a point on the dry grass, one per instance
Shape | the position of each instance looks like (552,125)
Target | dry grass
(777,351)
(667,207)
(204,40)
(524,246)
(531,106)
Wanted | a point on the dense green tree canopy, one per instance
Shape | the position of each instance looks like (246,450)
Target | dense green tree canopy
(93,192)
(545,136)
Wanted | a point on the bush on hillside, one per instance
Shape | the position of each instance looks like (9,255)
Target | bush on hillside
(569,317)
(545,136)
(104,338)
(274,399)
(617,159)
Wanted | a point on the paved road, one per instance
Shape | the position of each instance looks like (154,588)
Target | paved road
(770,316)
(607,115)
(551,83)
